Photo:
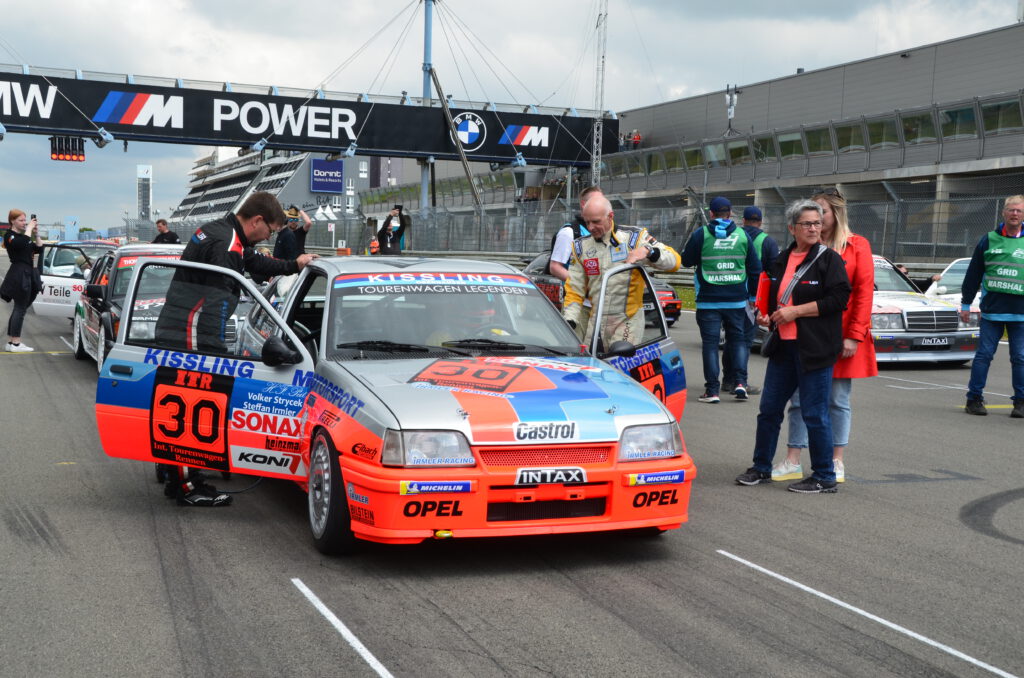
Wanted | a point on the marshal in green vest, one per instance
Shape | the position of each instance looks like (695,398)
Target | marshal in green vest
(723,261)
(1004,265)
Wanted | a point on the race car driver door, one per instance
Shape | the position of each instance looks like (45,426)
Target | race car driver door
(177,387)
(62,269)
(628,311)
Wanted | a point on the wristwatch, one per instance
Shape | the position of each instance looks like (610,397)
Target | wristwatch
(653,253)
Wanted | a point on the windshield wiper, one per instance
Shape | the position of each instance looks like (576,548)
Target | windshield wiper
(492,344)
(394,347)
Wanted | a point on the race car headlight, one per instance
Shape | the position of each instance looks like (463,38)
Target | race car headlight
(887,321)
(973,320)
(423,449)
(660,441)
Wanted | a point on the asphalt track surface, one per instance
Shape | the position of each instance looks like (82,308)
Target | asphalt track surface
(912,569)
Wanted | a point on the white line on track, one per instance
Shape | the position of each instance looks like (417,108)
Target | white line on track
(343,630)
(928,384)
(888,624)
(67,343)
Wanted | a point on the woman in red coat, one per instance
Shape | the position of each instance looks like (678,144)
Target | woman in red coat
(858,358)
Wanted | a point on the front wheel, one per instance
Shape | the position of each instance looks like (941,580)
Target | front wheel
(329,518)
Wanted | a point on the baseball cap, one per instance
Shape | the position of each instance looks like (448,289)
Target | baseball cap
(720,204)
(753,213)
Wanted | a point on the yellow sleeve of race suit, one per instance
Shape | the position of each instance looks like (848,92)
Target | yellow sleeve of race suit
(576,290)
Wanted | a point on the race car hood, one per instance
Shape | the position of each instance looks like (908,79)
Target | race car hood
(511,400)
(895,302)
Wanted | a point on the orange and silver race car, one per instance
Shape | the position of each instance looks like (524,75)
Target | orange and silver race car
(413,399)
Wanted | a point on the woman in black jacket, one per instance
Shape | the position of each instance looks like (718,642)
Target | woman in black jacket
(22,282)
(809,322)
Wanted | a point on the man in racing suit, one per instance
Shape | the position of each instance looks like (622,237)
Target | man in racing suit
(608,246)
(198,306)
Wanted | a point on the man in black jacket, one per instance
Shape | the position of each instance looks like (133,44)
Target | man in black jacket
(390,234)
(165,236)
(199,304)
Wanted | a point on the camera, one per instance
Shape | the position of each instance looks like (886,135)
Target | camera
(33,216)
(397,207)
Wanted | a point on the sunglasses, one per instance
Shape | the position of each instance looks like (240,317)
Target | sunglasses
(832,191)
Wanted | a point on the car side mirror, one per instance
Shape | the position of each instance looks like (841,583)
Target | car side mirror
(94,291)
(941,289)
(620,348)
(87,273)
(275,352)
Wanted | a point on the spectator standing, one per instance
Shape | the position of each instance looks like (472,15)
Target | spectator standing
(22,282)
(809,317)
(996,268)
(608,246)
(299,222)
(636,139)
(858,357)
(766,249)
(391,233)
(725,280)
(165,236)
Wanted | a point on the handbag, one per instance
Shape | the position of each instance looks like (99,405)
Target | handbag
(772,342)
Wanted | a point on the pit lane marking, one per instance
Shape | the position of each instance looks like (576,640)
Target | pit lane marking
(888,624)
(339,625)
(927,385)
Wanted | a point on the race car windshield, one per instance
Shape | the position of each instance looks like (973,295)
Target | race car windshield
(887,279)
(485,312)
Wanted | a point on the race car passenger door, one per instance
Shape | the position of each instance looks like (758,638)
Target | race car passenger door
(63,271)
(628,311)
(180,390)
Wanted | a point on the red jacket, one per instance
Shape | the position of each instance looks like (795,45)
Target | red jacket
(860,269)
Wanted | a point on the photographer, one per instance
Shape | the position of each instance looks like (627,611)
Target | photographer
(391,233)
(22,282)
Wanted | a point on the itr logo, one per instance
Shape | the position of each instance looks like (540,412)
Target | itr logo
(471,131)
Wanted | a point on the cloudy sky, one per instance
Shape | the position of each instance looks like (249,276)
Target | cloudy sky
(530,51)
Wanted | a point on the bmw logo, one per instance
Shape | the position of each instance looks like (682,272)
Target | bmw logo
(471,131)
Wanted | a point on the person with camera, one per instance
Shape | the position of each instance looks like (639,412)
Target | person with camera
(22,282)
(389,237)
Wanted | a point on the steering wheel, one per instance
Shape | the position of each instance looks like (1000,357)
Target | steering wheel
(308,338)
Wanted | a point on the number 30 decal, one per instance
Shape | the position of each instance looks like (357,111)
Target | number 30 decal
(189,417)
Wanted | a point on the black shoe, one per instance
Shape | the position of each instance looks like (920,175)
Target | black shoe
(728,386)
(1018,410)
(811,485)
(197,493)
(753,477)
(977,406)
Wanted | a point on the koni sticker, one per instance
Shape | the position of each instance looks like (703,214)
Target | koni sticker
(188,417)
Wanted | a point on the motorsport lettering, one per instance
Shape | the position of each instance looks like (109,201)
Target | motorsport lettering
(332,393)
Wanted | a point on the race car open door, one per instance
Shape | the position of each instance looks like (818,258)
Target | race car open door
(630,332)
(183,390)
(63,269)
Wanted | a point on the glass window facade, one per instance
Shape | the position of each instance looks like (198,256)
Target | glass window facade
(739,152)
(1002,117)
(819,141)
(791,145)
(714,155)
(918,128)
(882,134)
(655,163)
(850,138)
(674,160)
(694,158)
(958,123)
(764,149)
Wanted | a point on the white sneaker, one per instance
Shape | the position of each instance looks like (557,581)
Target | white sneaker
(787,471)
(18,348)
(840,471)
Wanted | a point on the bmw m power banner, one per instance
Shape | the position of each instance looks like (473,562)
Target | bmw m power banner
(38,105)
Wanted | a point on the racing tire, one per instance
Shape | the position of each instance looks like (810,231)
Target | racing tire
(329,518)
(671,322)
(76,326)
(101,349)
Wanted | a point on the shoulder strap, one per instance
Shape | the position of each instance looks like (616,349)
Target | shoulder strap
(799,273)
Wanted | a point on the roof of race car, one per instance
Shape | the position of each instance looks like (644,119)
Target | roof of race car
(142,249)
(334,266)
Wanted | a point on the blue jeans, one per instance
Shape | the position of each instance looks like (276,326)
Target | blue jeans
(710,321)
(782,378)
(838,410)
(728,372)
(991,333)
